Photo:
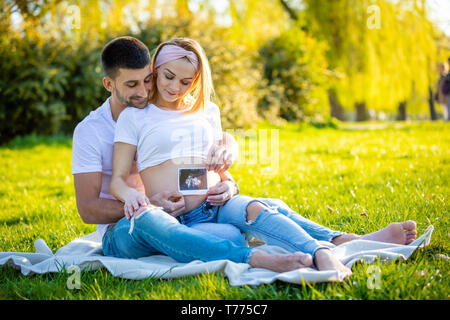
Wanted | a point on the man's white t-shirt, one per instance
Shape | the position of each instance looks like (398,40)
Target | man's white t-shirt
(92,151)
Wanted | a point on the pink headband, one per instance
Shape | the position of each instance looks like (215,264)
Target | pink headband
(171,52)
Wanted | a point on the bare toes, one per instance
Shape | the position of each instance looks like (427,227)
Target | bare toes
(409,225)
(410,237)
(411,233)
(305,259)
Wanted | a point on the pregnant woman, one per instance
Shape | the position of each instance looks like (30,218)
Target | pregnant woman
(175,131)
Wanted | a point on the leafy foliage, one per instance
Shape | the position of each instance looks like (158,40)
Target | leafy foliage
(295,69)
(46,88)
(270,59)
(382,52)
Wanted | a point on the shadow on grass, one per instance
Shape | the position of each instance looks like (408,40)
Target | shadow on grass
(11,221)
(34,140)
(406,126)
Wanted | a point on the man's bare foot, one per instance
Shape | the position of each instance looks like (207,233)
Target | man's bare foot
(325,260)
(398,233)
(280,262)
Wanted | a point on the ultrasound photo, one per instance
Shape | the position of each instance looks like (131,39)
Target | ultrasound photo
(192,181)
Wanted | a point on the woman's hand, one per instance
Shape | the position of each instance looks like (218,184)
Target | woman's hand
(133,201)
(221,193)
(219,159)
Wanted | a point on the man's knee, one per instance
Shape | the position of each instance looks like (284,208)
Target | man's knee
(139,211)
(154,218)
(142,209)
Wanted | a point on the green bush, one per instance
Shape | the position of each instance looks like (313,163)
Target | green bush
(46,87)
(49,85)
(295,86)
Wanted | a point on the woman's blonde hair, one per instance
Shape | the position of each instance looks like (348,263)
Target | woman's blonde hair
(201,87)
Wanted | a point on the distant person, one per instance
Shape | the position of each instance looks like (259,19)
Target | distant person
(445,92)
(443,89)
(440,96)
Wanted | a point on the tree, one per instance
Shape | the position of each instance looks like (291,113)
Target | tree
(254,22)
(295,69)
(383,64)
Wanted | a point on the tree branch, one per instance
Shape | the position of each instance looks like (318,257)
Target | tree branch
(289,10)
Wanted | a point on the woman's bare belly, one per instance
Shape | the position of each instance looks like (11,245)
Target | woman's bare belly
(164,177)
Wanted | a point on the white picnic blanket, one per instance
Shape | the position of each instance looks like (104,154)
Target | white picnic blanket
(86,253)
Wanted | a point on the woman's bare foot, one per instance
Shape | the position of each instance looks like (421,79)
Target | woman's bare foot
(346,237)
(325,260)
(398,233)
(280,262)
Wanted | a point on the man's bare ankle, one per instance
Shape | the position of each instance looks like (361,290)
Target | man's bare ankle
(255,258)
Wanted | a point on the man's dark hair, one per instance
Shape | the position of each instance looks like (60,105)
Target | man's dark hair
(124,52)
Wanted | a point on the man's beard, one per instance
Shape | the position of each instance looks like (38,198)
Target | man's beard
(125,102)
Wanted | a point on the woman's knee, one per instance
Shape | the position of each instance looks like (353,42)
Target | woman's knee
(254,209)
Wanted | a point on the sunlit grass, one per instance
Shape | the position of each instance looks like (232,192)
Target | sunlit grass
(355,178)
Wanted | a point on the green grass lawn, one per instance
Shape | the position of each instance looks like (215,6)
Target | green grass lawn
(357,178)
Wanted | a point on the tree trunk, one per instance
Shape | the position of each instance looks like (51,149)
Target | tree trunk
(336,109)
(361,111)
(433,114)
(401,116)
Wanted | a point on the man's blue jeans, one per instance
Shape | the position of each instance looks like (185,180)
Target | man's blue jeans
(214,233)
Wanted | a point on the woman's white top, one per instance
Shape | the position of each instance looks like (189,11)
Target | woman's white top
(162,135)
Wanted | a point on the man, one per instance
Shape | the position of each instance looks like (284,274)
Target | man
(126,63)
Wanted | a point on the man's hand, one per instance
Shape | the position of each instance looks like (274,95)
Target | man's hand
(221,193)
(219,159)
(171,201)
